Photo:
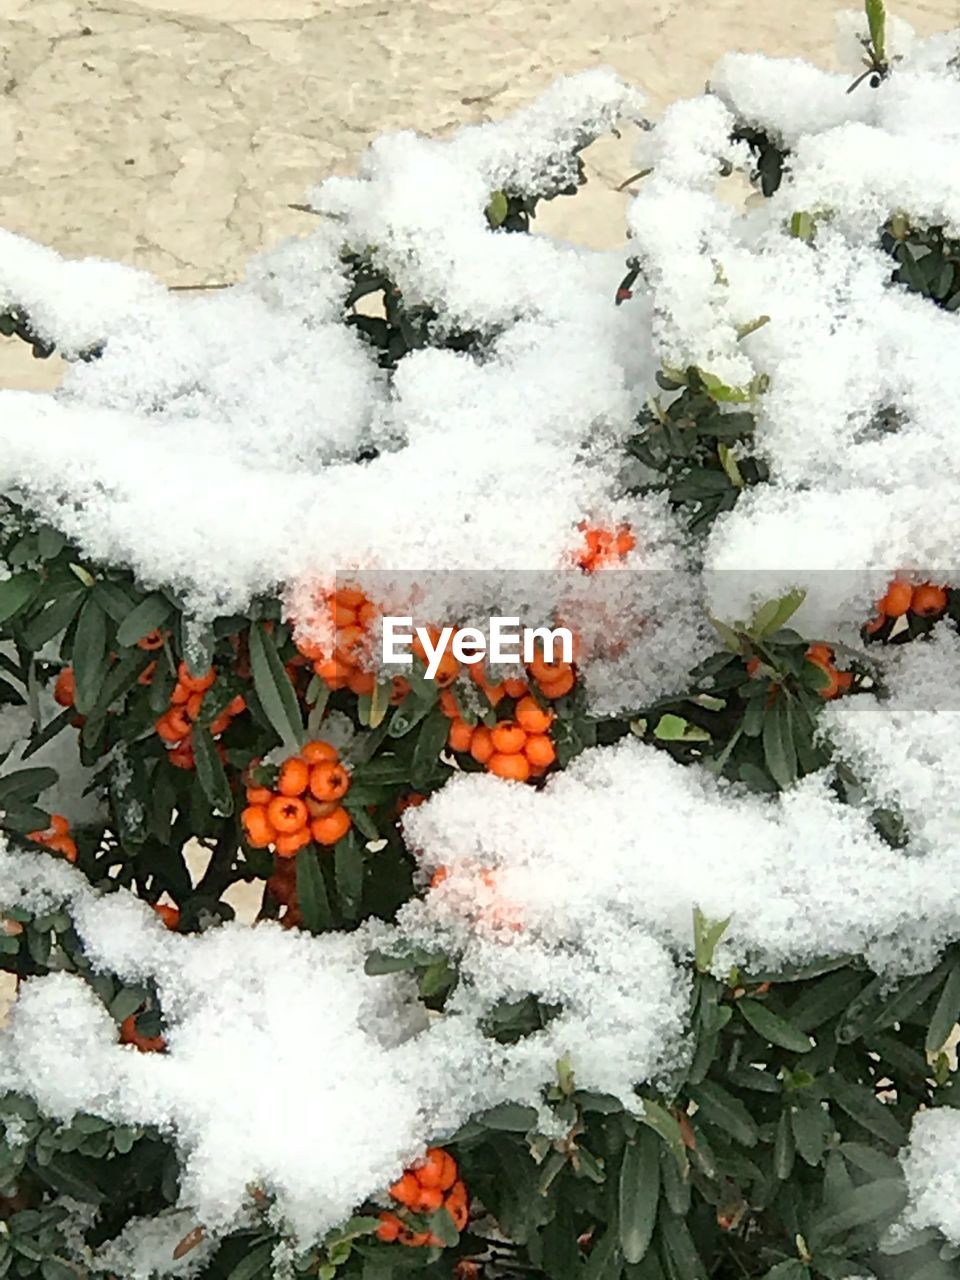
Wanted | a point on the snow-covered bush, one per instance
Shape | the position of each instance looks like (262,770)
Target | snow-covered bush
(643,963)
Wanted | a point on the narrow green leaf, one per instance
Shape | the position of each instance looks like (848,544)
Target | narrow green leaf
(639,1194)
(277,695)
(877,25)
(784,1147)
(431,740)
(860,1105)
(875,1200)
(511,1117)
(667,1127)
(348,866)
(312,892)
(779,751)
(722,1109)
(946,1014)
(254,1264)
(149,615)
(770,1026)
(89,655)
(26,783)
(210,771)
(16,593)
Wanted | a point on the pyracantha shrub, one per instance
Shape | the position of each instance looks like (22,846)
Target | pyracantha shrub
(638,961)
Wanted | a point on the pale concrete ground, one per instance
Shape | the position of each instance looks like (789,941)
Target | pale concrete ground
(173,134)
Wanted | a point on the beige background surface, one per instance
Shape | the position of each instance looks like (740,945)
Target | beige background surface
(173,134)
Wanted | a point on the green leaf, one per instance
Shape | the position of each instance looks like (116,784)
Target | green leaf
(348,866)
(877,24)
(779,751)
(770,1026)
(26,783)
(431,740)
(272,684)
(639,1194)
(946,1014)
(784,1147)
(773,615)
(210,771)
(722,1109)
(511,1117)
(497,209)
(90,655)
(671,728)
(16,593)
(727,634)
(812,1129)
(312,892)
(803,226)
(860,1105)
(667,1128)
(875,1200)
(254,1264)
(54,619)
(706,937)
(680,1247)
(149,615)
(791,1269)
(54,1268)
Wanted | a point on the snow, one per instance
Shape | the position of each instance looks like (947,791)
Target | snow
(247,441)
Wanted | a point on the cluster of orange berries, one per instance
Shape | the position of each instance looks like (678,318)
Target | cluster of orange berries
(175,726)
(57,837)
(305,805)
(821,655)
(351,614)
(604,546)
(430,1186)
(519,748)
(926,601)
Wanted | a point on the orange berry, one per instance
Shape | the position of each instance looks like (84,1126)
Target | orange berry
(400,687)
(362,683)
(481,744)
(438,877)
(515,687)
(406,1190)
(63,845)
(59,825)
(508,738)
(194,704)
(146,675)
(317,752)
(182,757)
(349,597)
(448,1174)
(294,777)
(167,731)
(342,616)
(430,1173)
(316,809)
(460,735)
(192,683)
(553,689)
(329,780)
(287,814)
(873,625)
(540,751)
(448,668)
(349,643)
(151,641)
(259,795)
(897,600)
(429,1200)
(180,695)
(332,828)
(532,717)
(179,722)
(237,705)
(514,767)
(367,614)
(832,689)
(928,601)
(333,673)
(256,824)
(221,724)
(753,666)
(65,689)
(389,1228)
(288,846)
(169,915)
(415,1239)
(448,705)
(144,1044)
(820,654)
